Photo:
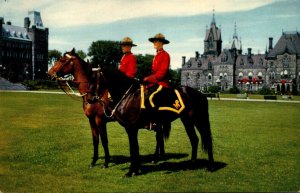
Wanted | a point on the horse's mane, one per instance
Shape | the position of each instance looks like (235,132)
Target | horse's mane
(118,82)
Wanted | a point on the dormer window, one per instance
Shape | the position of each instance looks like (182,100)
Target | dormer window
(286,61)
(209,65)
(242,62)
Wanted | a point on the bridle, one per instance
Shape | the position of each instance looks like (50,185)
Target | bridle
(63,81)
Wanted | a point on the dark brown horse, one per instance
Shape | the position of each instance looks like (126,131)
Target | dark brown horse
(127,94)
(70,63)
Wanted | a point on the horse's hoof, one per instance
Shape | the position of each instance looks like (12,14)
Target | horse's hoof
(131,173)
(92,165)
(211,168)
(128,175)
(105,165)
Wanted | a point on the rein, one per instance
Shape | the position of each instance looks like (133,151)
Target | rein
(117,105)
(112,113)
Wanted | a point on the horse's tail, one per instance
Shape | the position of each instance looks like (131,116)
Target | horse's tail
(166,130)
(201,117)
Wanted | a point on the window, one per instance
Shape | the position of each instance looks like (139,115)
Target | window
(225,75)
(241,75)
(242,62)
(250,75)
(209,65)
(272,75)
(209,76)
(221,76)
(285,61)
(260,75)
(260,62)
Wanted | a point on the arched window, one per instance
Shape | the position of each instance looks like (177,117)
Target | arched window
(241,75)
(221,76)
(209,76)
(260,75)
(225,75)
(250,75)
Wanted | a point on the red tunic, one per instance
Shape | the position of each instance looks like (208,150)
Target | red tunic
(160,69)
(128,65)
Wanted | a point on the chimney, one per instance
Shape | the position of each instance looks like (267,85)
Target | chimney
(26,22)
(197,54)
(183,60)
(270,43)
(249,52)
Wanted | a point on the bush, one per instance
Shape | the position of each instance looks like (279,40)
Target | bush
(234,90)
(264,91)
(213,89)
(40,84)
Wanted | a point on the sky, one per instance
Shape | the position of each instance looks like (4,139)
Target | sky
(77,23)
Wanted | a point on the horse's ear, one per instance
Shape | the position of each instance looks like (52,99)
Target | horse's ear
(73,51)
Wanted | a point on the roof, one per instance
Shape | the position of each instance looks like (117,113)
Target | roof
(215,31)
(15,32)
(289,43)
(255,61)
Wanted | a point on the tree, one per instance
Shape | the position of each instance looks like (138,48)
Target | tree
(144,63)
(81,54)
(53,55)
(106,53)
(175,76)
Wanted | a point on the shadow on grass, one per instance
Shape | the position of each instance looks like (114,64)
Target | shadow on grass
(172,167)
(165,165)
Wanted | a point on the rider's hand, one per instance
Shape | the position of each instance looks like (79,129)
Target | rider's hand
(145,79)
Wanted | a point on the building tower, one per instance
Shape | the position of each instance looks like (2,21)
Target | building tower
(213,40)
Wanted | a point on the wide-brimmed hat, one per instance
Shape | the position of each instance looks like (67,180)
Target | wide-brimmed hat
(127,41)
(160,37)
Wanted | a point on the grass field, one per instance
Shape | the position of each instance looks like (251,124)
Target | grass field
(46,146)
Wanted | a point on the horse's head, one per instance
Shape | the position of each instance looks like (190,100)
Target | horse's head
(71,64)
(63,66)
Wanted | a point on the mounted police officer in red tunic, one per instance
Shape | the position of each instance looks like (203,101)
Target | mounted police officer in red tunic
(128,61)
(158,82)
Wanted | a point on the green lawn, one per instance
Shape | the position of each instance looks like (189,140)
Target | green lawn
(46,146)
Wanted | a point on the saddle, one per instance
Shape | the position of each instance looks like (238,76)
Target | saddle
(162,99)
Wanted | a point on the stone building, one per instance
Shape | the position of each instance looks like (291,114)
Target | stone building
(24,50)
(277,69)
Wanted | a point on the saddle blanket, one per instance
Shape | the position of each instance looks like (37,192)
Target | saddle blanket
(171,101)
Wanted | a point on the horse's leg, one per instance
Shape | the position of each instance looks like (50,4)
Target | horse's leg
(190,130)
(134,152)
(95,135)
(104,140)
(160,145)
